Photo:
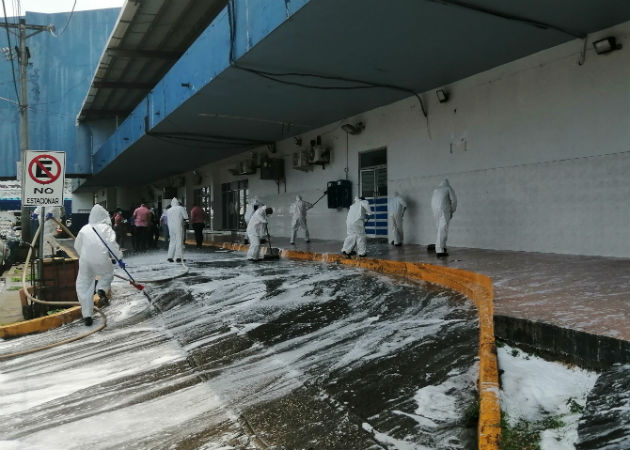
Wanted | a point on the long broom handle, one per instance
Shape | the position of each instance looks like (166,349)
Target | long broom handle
(323,195)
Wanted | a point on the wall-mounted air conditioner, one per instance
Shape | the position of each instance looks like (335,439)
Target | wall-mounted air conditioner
(319,155)
(301,160)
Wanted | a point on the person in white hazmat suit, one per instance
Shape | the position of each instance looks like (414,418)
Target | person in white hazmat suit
(250,209)
(257,228)
(298,209)
(95,260)
(396,208)
(355,226)
(50,230)
(443,204)
(175,216)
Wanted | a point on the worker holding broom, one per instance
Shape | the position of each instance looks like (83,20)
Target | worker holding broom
(93,244)
(257,228)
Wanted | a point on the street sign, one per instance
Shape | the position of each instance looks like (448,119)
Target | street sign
(44,178)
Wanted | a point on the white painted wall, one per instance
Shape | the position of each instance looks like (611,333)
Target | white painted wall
(82,202)
(538,152)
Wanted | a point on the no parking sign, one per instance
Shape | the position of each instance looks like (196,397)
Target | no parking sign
(44,177)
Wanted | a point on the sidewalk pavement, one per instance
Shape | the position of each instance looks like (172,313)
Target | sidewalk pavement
(584,293)
(10,305)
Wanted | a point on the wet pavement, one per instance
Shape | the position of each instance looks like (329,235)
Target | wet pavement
(605,424)
(277,354)
(585,293)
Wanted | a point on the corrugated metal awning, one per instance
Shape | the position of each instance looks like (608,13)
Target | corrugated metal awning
(148,38)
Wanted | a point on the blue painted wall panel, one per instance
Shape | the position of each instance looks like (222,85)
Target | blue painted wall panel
(206,58)
(9,118)
(60,72)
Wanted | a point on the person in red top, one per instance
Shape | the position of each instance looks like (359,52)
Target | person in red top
(120,227)
(197,219)
(142,221)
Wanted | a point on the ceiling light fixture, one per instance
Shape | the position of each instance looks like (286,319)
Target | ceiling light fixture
(606,45)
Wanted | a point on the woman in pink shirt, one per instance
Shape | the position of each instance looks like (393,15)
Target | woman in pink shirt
(142,222)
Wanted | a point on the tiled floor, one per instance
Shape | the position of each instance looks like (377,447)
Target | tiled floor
(584,293)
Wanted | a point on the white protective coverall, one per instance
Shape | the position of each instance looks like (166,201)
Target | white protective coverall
(249,209)
(443,204)
(50,230)
(94,258)
(396,208)
(298,210)
(175,216)
(355,226)
(256,228)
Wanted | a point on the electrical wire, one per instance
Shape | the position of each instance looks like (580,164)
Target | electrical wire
(6,22)
(276,76)
(532,22)
(63,30)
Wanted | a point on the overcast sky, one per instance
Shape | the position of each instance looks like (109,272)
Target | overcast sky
(49,6)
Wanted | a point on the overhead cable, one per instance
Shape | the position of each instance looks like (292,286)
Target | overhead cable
(63,30)
(277,77)
(513,17)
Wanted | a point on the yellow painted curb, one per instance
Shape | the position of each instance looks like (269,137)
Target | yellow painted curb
(475,286)
(40,324)
(44,323)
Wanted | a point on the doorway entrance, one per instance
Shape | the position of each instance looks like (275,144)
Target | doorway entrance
(373,186)
(233,202)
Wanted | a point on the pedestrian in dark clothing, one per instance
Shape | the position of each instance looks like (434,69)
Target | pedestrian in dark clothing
(197,218)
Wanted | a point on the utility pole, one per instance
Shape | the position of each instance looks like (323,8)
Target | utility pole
(23,57)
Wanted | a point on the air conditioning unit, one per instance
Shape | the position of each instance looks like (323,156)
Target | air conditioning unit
(301,160)
(247,167)
(319,155)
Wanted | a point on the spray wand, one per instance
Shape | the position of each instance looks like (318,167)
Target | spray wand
(121,264)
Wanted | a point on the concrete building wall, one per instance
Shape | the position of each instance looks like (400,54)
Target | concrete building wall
(537,150)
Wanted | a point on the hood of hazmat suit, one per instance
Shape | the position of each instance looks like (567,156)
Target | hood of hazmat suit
(444,200)
(99,215)
(175,216)
(89,246)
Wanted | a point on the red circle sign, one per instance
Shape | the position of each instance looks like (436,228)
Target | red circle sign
(44,174)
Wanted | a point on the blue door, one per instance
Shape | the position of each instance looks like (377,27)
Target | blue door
(374,189)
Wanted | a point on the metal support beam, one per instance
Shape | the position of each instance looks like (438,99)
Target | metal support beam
(122,85)
(138,53)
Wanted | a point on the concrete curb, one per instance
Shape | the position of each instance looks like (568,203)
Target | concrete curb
(40,324)
(44,323)
(475,286)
